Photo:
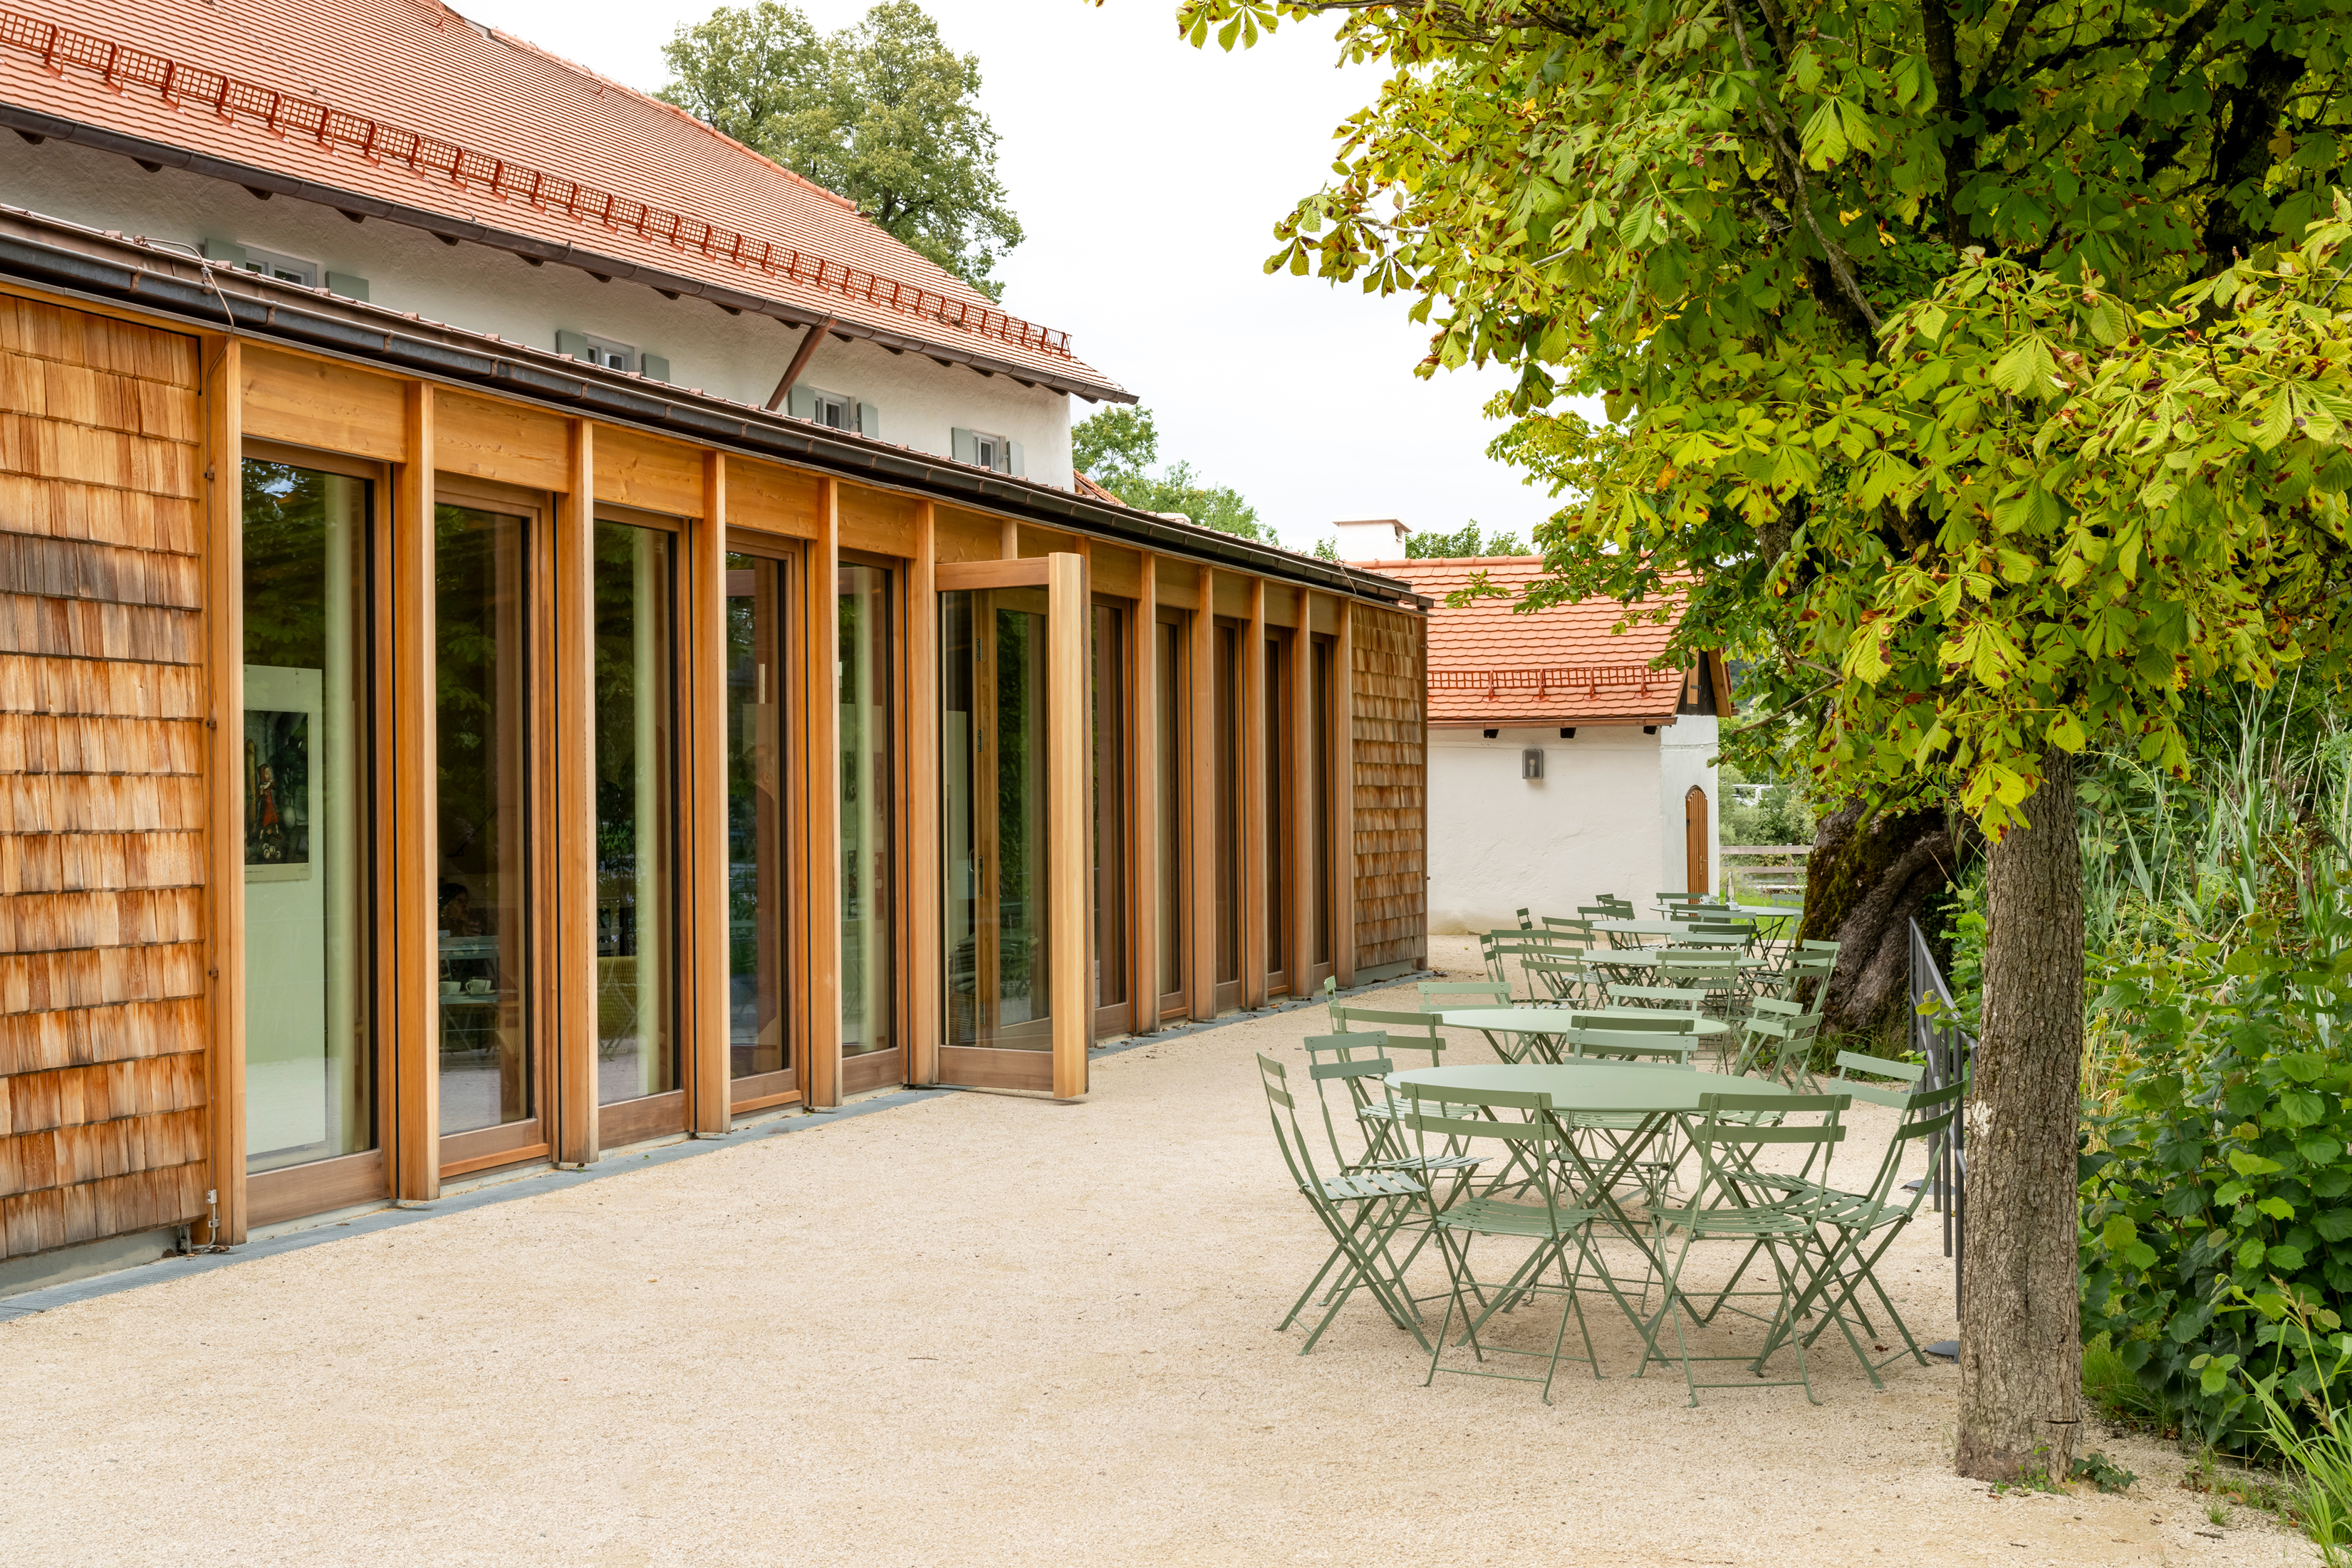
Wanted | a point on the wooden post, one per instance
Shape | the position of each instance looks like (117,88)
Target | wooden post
(1008,539)
(921,817)
(1202,805)
(702,764)
(1144,796)
(1343,803)
(224,453)
(1253,887)
(573,691)
(821,886)
(1302,799)
(1067,817)
(410,848)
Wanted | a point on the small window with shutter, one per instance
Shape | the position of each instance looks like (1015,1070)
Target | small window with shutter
(597,350)
(985,451)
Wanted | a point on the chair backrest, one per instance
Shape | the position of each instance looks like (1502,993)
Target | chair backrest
(1405,1031)
(1555,979)
(1360,1062)
(1282,1110)
(1650,1021)
(1732,1128)
(1925,1114)
(1576,927)
(1631,1045)
(1811,944)
(1438,995)
(1452,1118)
(1691,1000)
(1850,1062)
(1526,922)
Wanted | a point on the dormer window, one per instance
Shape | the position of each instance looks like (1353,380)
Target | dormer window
(597,350)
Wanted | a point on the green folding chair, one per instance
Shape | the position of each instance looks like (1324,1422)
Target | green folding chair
(1728,1203)
(1560,980)
(1440,996)
(1360,1211)
(1808,961)
(1691,1000)
(1641,1021)
(1527,923)
(1524,1125)
(1405,1031)
(1359,1063)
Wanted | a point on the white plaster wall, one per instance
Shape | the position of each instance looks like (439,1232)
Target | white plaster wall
(1497,841)
(491,291)
(1687,750)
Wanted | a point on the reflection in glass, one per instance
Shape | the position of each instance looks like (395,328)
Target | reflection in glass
(758,1042)
(993,809)
(1324,805)
(866,868)
(636,1046)
(310,1056)
(1167,679)
(1109,770)
(1228,784)
(1277,807)
(480,624)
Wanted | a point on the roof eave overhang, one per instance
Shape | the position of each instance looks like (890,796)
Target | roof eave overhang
(118,273)
(1545,720)
(35,122)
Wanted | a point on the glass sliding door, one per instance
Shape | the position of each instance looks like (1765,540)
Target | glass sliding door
(1226,779)
(310,1054)
(489,1075)
(1108,636)
(1325,737)
(758,1028)
(993,806)
(636,813)
(868,867)
(1278,708)
(1172,693)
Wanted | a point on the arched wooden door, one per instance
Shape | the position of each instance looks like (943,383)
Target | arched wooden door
(1697,861)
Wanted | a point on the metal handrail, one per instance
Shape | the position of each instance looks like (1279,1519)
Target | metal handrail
(1936,1035)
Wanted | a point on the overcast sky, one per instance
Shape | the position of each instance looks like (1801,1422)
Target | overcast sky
(1149,176)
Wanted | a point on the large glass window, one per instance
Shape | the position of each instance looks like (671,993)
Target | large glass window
(480,635)
(310,1056)
(1325,808)
(1109,776)
(1168,848)
(1278,708)
(993,813)
(637,816)
(867,868)
(1228,777)
(758,1037)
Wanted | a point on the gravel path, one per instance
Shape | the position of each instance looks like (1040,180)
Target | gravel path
(973,1329)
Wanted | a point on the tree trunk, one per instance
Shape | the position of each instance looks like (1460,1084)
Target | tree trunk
(1865,882)
(2021,1351)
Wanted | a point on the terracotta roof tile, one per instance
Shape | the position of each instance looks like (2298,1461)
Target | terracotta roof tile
(1564,664)
(415,65)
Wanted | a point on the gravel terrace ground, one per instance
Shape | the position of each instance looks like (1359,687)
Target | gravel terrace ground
(972,1329)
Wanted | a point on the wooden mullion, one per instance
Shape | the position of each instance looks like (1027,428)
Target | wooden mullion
(1202,804)
(569,1023)
(1343,804)
(821,883)
(224,568)
(1067,863)
(920,819)
(1143,799)
(411,937)
(703,900)
(1302,799)
(1251,887)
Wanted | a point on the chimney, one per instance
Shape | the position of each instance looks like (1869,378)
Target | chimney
(1382,538)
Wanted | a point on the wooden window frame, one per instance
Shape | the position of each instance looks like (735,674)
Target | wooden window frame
(1278,854)
(341,1181)
(1322,803)
(788,1086)
(1115,1018)
(863,1074)
(1176,1003)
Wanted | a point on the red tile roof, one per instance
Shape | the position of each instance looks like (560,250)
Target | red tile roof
(408,102)
(1490,665)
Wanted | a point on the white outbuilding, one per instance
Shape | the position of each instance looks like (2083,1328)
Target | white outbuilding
(1561,764)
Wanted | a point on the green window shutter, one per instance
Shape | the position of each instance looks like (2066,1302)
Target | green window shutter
(656,368)
(1012,460)
(869,421)
(965,449)
(801,403)
(573,343)
(222,251)
(348,285)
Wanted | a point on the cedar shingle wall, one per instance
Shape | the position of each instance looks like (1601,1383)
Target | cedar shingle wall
(101,794)
(1391,787)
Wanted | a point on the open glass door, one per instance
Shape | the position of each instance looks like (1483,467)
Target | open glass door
(1014,811)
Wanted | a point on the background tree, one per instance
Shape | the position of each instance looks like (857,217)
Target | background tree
(1462,542)
(1116,449)
(884,114)
(1986,365)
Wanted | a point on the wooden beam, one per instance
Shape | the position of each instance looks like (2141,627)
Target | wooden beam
(224,568)
(573,691)
(1343,801)
(1143,798)
(821,885)
(1302,799)
(1252,887)
(800,356)
(1008,539)
(1201,803)
(920,818)
(1067,860)
(702,764)
(410,847)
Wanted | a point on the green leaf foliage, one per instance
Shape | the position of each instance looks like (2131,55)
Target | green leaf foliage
(1117,448)
(1462,542)
(883,112)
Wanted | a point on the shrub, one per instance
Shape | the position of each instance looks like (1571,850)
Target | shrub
(2223,1172)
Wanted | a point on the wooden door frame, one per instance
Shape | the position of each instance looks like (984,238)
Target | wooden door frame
(788,1085)
(859,1074)
(1115,1018)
